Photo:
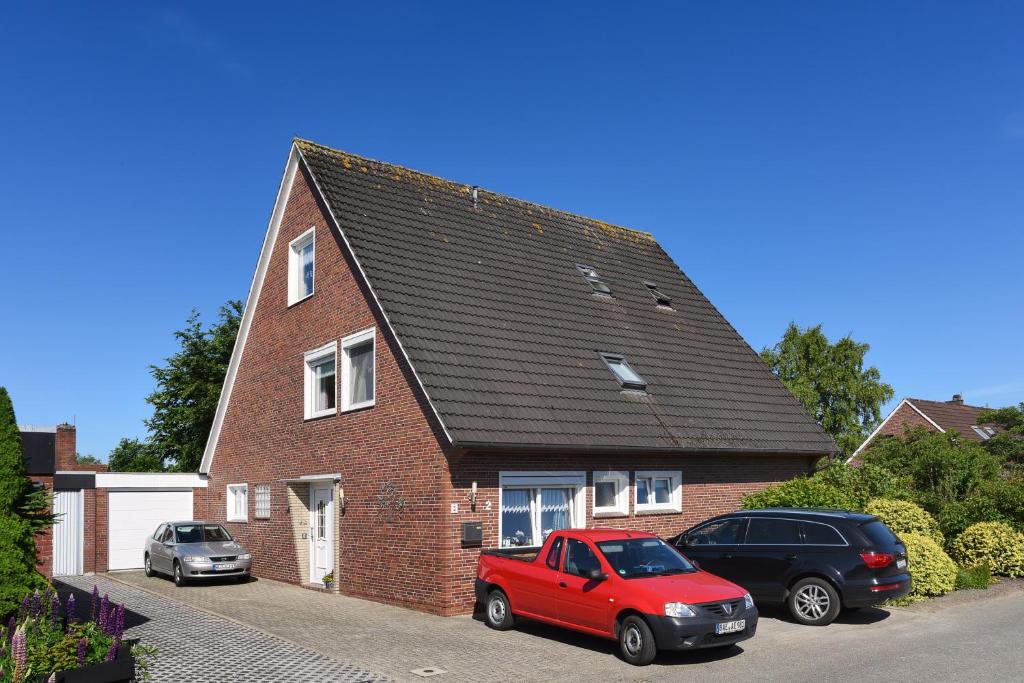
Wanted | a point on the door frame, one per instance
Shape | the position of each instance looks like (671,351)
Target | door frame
(328,529)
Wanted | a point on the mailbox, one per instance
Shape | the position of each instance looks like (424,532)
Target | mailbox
(472,534)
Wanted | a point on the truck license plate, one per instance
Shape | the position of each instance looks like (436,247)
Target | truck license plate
(730,626)
(223,567)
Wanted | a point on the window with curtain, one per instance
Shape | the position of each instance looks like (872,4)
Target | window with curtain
(301,266)
(358,373)
(659,491)
(320,381)
(529,515)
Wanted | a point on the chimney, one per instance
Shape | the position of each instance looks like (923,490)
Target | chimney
(66,446)
(957,400)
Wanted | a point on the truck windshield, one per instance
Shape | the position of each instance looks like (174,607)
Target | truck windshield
(636,557)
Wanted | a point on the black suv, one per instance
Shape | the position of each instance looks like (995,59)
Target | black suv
(816,561)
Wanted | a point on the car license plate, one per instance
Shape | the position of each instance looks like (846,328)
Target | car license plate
(223,567)
(900,564)
(730,626)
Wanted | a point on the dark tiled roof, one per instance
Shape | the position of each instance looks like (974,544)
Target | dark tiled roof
(952,416)
(505,334)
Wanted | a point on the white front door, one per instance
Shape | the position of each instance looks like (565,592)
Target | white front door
(321,532)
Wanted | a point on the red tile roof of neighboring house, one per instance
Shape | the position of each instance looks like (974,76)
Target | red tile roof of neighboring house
(953,415)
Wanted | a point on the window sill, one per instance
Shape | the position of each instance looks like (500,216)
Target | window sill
(605,514)
(238,519)
(299,301)
(359,406)
(319,416)
(658,511)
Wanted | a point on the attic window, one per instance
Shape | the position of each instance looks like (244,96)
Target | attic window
(595,280)
(985,433)
(627,376)
(662,299)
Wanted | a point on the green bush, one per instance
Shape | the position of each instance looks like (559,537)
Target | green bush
(800,493)
(904,517)
(979,576)
(865,482)
(995,543)
(931,569)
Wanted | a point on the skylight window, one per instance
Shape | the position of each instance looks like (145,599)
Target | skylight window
(627,376)
(595,280)
(661,298)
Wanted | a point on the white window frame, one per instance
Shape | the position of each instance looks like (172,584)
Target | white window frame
(621,506)
(233,491)
(540,480)
(295,248)
(348,342)
(310,360)
(675,478)
(257,512)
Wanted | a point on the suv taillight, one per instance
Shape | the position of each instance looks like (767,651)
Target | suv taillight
(878,560)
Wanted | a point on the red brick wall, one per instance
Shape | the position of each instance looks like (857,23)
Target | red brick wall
(711,485)
(265,438)
(98,542)
(904,417)
(44,540)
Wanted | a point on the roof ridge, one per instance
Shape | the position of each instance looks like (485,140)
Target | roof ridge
(947,403)
(465,188)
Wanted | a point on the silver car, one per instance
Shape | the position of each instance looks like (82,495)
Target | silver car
(195,550)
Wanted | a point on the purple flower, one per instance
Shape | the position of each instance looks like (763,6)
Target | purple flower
(83,645)
(118,627)
(55,610)
(23,610)
(112,652)
(70,609)
(104,613)
(18,650)
(12,623)
(95,602)
(35,603)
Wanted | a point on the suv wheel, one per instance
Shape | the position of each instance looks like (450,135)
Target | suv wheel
(813,602)
(636,640)
(179,577)
(499,612)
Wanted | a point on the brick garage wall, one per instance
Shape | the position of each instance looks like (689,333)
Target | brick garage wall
(101,530)
(711,485)
(44,539)
(392,554)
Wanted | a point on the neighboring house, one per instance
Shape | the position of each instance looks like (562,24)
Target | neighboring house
(425,368)
(102,517)
(934,416)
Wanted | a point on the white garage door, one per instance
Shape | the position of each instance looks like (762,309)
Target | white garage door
(134,515)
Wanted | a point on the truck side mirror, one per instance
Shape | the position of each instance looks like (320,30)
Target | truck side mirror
(597,575)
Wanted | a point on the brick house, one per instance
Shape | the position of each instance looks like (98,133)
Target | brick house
(425,368)
(934,416)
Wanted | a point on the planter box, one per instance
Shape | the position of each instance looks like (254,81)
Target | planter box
(121,670)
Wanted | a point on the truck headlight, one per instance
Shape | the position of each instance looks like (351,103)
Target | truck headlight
(748,601)
(679,609)
(194,558)
(245,556)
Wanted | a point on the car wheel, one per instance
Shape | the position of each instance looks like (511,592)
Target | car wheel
(636,640)
(813,602)
(149,566)
(179,577)
(499,612)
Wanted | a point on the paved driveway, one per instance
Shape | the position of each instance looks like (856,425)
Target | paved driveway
(969,635)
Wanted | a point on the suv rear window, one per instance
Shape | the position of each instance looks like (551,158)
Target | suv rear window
(879,534)
(771,531)
(822,534)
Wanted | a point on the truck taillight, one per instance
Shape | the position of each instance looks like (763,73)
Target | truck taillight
(877,560)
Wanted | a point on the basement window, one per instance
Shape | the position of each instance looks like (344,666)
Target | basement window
(627,376)
(661,298)
(596,281)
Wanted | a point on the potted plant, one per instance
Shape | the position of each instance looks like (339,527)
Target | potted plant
(329,580)
(47,641)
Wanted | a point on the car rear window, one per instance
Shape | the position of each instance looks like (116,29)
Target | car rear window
(772,531)
(822,534)
(879,534)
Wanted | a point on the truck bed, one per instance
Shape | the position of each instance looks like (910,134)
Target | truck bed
(520,554)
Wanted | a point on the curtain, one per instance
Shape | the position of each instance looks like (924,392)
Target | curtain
(307,269)
(325,385)
(555,510)
(516,520)
(361,360)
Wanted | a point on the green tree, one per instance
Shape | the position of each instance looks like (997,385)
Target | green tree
(1008,444)
(132,455)
(86,459)
(188,388)
(24,511)
(830,380)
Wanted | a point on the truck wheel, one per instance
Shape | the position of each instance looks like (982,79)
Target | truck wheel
(813,602)
(636,640)
(499,612)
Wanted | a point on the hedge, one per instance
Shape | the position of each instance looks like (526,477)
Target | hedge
(995,543)
(931,570)
(904,517)
(799,493)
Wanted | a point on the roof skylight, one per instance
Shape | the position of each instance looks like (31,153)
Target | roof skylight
(595,280)
(660,297)
(627,376)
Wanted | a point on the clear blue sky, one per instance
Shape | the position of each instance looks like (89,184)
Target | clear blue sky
(860,165)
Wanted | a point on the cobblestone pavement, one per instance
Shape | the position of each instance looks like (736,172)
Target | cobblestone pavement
(918,644)
(195,646)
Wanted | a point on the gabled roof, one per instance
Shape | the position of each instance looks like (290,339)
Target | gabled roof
(943,415)
(504,334)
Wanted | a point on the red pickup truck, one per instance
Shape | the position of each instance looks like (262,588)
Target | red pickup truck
(628,586)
